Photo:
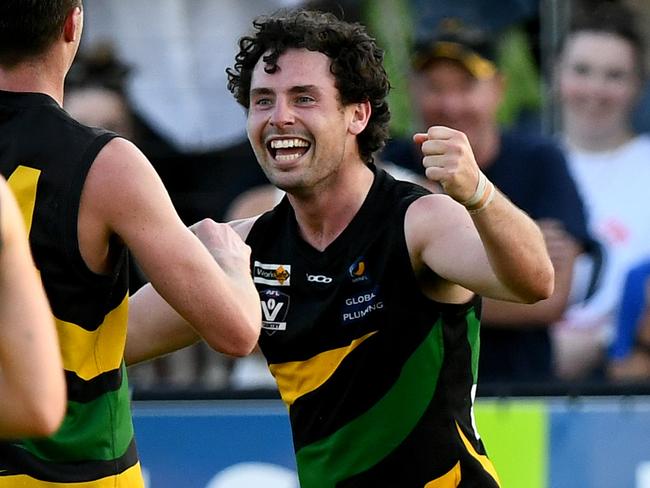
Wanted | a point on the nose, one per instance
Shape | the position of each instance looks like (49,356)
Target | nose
(451,103)
(282,114)
(440,109)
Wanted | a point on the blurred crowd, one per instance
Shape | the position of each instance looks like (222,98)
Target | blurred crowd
(557,113)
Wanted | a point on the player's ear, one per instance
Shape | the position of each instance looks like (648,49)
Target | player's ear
(73,25)
(360,117)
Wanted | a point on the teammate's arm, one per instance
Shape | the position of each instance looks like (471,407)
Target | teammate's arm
(32,384)
(124,196)
(166,330)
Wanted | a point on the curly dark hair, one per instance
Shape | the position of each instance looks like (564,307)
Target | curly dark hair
(28,27)
(357,63)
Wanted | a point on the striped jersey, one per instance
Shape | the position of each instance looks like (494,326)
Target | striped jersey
(379,380)
(45,156)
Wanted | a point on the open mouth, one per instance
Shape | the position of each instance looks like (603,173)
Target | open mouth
(288,149)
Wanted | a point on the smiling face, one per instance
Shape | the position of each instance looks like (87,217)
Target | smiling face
(598,84)
(300,132)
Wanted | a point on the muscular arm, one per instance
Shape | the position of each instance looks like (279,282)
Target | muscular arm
(124,196)
(498,252)
(166,330)
(32,385)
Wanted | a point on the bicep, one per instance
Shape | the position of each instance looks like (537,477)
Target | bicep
(134,205)
(443,238)
(129,199)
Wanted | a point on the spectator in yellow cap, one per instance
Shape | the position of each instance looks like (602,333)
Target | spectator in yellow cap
(455,82)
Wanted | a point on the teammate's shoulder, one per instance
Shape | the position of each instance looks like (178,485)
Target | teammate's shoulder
(64,126)
(121,151)
(119,165)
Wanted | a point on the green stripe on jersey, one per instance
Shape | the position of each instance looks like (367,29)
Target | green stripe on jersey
(368,439)
(100,430)
(474,339)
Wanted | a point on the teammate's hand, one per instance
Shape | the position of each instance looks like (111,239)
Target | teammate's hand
(224,244)
(449,160)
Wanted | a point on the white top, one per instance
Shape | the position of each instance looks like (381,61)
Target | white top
(179,50)
(615,187)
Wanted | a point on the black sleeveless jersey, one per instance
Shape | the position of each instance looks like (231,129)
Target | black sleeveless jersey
(379,380)
(45,156)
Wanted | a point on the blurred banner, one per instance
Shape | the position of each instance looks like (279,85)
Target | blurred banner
(541,443)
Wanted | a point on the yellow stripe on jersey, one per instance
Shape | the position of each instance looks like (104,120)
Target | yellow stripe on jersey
(297,378)
(448,480)
(131,478)
(23,182)
(485,462)
(91,353)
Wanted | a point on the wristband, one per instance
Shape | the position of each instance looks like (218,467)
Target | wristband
(479,193)
(483,203)
(482,197)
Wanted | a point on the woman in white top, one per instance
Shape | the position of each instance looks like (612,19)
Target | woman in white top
(599,77)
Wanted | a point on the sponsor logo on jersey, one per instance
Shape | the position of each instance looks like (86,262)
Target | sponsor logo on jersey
(318,279)
(275,306)
(272,274)
(357,270)
(359,306)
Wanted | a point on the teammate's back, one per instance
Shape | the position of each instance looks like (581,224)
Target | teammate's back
(86,196)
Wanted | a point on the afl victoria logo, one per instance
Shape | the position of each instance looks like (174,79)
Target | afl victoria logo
(275,306)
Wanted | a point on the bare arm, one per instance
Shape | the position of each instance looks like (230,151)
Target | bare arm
(123,195)
(498,252)
(167,330)
(32,384)
(563,250)
(155,328)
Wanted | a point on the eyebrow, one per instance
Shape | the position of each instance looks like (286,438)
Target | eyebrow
(293,90)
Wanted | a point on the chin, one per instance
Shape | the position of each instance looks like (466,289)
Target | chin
(284,181)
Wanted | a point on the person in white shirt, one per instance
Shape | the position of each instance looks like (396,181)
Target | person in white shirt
(599,78)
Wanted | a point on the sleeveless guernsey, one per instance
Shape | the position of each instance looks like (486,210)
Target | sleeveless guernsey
(378,379)
(45,156)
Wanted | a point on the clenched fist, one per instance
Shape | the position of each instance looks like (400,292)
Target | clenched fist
(449,160)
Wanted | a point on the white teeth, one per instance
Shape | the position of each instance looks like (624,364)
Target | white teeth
(286,143)
(287,157)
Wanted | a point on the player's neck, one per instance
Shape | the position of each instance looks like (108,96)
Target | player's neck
(324,214)
(34,77)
